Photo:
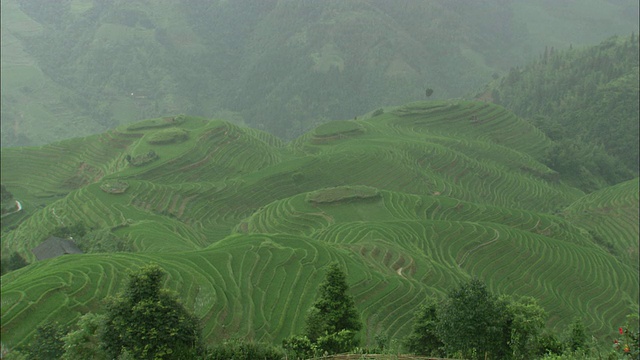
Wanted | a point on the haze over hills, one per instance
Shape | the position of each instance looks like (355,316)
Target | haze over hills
(532,187)
(74,68)
(410,199)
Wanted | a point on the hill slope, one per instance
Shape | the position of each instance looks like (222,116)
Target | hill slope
(587,101)
(411,200)
(276,65)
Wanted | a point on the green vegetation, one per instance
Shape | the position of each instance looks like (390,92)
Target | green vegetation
(586,100)
(332,322)
(337,128)
(168,136)
(47,343)
(114,187)
(428,195)
(92,66)
(472,323)
(539,206)
(148,322)
(8,203)
(13,262)
(243,350)
(157,123)
(342,193)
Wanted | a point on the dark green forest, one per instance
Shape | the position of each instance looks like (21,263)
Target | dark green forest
(586,100)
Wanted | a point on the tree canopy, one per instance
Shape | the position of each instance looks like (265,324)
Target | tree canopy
(149,322)
(332,322)
(470,320)
(335,310)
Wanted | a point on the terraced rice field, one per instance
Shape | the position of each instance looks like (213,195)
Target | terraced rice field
(612,214)
(411,202)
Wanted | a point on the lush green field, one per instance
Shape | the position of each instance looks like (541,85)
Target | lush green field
(411,200)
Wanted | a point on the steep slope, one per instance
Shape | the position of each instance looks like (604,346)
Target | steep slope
(584,99)
(411,199)
(611,216)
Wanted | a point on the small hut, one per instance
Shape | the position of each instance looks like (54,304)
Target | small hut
(54,247)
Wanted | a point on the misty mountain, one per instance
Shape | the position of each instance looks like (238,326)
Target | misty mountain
(73,68)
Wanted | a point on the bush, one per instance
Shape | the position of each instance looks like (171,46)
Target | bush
(14,262)
(339,342)
(47,343)
(149,322)
(243,350)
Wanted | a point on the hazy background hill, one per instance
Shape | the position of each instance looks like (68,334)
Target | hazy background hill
(72,68)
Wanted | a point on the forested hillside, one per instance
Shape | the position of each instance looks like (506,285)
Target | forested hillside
(73,68)
(587,101)
(410,200)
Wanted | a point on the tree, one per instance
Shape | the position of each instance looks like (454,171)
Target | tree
(429,92)
(333,318)
(14,262)
(83,342)
(149,322)
(5,195)
(47,343)
(576,335)
(471,322)
(524,323)
(424,339)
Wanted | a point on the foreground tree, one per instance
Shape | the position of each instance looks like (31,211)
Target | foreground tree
(47,343)
(332,321)
(424,339)
(471,322)
(82,342)
(575,336)
(523,326)
(148,322)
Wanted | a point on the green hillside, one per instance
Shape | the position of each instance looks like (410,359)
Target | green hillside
(411,200)
(74,68)
(611,215)
(587,101)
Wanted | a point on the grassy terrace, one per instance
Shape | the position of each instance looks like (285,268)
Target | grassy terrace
(411,201)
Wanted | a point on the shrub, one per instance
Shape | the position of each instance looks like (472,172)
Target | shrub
(149,322)
(243,350)
(47,343)
(298,347)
